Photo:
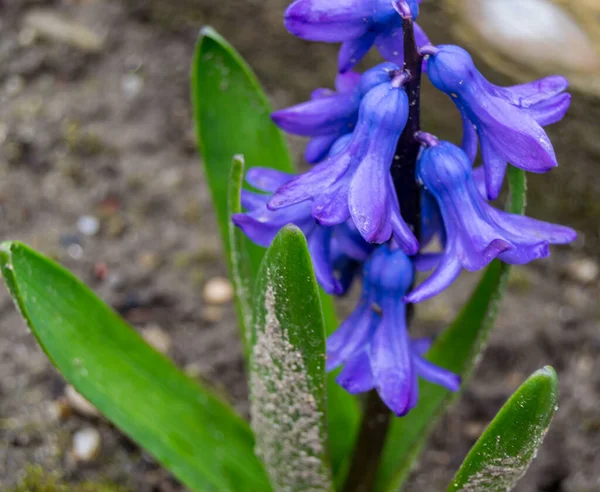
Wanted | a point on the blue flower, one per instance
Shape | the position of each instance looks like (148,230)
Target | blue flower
(356,183)
(333,250)
(476,232)
(373,344)
(326,117)
(508,120)
(357,24)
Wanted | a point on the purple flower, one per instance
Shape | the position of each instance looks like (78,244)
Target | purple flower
(357,24)
(326,117)
(476,232)
(356,182)
(508,120)
(373,344)
(332,250)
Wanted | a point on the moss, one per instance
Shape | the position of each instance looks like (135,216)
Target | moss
(35,479)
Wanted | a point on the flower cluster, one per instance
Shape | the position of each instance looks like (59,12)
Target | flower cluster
(348,204)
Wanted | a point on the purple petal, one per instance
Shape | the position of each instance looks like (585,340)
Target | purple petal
(368,200)
(479,179)
(324,20)
(421,345)
(252,201)
(532,93)
(391,359)
(420,36)
(552,111)
(334,114)
(391,46)
(436,374)
(258,232)
(331,208)
(469,138)
(311,183)
(526,226)
(446,273)
(352,336)
(357,375)
(402,234)
(426,262)
(267,179)
(318,148)
(375,76)
(319,241)
(347,82)
(495,169)
(354,50)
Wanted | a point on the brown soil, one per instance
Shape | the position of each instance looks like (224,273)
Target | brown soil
(108,133)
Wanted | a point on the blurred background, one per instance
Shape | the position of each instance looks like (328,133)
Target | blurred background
(98,168)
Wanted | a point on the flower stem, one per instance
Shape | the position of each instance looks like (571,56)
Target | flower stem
(377,417)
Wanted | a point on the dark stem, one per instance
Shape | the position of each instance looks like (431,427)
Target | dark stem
(371,439)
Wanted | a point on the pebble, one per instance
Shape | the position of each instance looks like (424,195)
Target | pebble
(212,314)
(157,338)
(88,225)
(584,270)
(132,85)
(79,404)
(86,444)
(52,26)
(218,290)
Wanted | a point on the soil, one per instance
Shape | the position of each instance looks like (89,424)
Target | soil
(102,128)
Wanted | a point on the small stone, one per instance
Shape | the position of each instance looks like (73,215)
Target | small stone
(50,25)
(86,445)
(88,225)
(218,290)
(584,270)
(474,429)
(79,404)
(193,370)
(132,85)
(157,338)
(212,314)
(60,409)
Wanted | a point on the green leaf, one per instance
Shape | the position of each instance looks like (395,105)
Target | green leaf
(457,349)
(287,369)
(232,117)
(190,430)
(239,261)
(505,450)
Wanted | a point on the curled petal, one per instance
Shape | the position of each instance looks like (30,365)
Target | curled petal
(532,93)
(469,137)
(353,50)
(319,242)
(391,360)
(266,178)
(436,374)
(357,375)
(318,148)
(352,336)
(552,111)
(445,274)
(323,116)
(347,82)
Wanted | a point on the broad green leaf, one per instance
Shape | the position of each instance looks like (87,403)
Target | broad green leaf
(232,117)
(287,368)
(457,349)
(190,430)
(505,450)
(241,270)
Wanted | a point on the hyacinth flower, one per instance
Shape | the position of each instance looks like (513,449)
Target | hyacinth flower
(333,250)
(325,118)
(357,24)
(507,120)
(373,344)
(476,232)
(356,183)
